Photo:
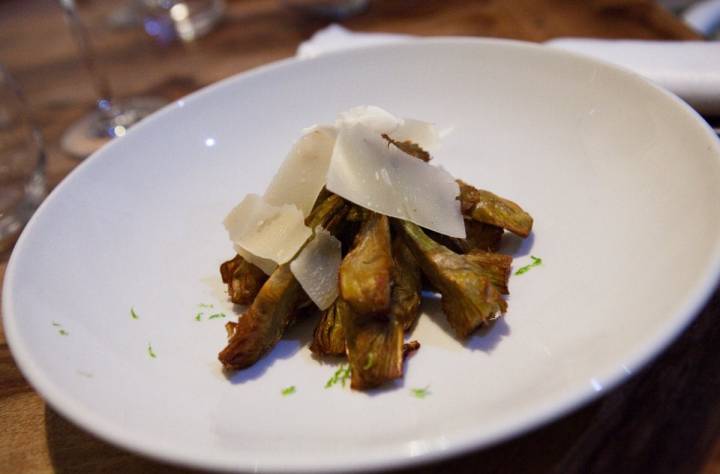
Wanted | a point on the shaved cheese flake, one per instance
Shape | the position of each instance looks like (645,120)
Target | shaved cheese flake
(446,132)
(382,121)
(316,268)
(368,172)
(320,126)
(302,175)
(264,264)
(271,232)
(419,132)
(371,116)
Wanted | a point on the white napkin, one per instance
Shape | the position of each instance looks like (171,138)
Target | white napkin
(690,69)
(335,38)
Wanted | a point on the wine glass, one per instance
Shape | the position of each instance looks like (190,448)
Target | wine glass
(111,117)
(22,162)
(169,20)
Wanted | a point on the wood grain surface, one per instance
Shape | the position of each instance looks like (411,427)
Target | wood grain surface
(665,419)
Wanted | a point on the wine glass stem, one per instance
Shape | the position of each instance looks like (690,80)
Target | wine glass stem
(87,55)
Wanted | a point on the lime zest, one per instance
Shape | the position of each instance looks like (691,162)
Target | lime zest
(341,375)
(420,392)
(535,262)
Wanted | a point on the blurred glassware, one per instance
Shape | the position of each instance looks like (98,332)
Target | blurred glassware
(111,117)
(675,5)
(22,162)
(187,20)
(333,9)
(704,17)
(168,20)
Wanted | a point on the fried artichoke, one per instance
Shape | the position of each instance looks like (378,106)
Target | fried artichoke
(484,206)
(264,323)
(405,296)
(365,272)
(329,334)
(495,266)
(243,280)
(272,310)
(381,276)
(469,299)
(374,348)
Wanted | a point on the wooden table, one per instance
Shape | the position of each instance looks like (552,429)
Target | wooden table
(665,419)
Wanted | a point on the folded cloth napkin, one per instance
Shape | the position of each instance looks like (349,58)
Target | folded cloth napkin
(335,38)
(690,69)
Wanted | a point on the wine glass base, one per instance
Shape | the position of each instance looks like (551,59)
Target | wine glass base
(92,131)
(14,219)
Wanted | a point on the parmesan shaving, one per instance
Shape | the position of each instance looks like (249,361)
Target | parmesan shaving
(301,177)
(266,231)
(382,121)
(351,159)
(382,178)
(372,117)
(421,133)
(316,268)
(264,264)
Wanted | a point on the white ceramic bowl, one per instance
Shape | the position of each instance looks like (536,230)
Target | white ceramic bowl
(622,178)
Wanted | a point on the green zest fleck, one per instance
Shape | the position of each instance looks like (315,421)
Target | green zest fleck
(216,315)
(87,375)
(205,305)
(535,262)
(198,316)
(288,391)
(345,375)
(341,375)
(420,392)
(133,314)
(151,353)
(61,330)
(370,361)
